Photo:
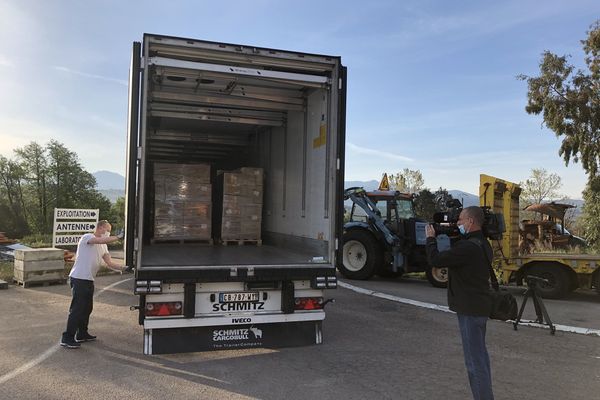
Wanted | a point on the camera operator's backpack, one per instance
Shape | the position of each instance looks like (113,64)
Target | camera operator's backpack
(504,304)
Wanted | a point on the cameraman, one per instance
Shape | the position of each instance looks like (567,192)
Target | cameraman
(468,293)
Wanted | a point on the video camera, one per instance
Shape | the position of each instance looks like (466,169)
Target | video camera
(445,222)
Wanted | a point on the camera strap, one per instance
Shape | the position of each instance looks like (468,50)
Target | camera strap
(493,278)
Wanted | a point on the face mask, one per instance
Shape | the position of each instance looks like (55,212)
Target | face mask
(462,230)
(107,234)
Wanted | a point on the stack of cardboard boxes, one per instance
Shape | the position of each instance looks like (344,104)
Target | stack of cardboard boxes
(241,215)
(182,202)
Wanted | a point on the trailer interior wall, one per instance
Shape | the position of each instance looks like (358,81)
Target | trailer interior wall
(298,194)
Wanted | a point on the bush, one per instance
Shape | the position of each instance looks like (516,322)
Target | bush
(6,270)
(38,240)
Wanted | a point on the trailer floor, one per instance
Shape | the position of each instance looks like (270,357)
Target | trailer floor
(190,254)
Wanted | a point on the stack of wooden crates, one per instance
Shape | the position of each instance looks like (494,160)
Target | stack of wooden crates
(43,265)
(182,203)
(241,216)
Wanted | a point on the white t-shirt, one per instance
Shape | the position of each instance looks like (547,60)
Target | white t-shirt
(88,258)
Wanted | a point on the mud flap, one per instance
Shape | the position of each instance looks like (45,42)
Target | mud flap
(184,340)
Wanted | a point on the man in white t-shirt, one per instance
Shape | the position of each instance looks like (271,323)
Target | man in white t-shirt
(92,252)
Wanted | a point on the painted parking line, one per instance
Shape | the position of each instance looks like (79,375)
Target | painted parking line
(437,307)
(52,349)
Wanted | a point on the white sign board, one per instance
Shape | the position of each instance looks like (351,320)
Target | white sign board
(70,224)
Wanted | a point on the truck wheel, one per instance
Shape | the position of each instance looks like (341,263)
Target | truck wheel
(438,277)
(558,281)
(361,255)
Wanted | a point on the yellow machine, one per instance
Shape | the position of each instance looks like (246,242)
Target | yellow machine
(564,272)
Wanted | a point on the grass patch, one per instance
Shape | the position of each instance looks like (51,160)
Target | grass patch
(415,275)
(6,270)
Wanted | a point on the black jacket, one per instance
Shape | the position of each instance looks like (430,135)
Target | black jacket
(468,273)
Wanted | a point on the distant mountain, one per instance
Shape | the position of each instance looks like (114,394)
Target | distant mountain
(467,199)
(367,185)
(109,180)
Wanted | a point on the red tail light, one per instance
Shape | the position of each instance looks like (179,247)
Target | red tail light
(163,309)
(309,303)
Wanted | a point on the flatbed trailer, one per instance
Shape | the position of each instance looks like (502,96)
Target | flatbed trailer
(564,272)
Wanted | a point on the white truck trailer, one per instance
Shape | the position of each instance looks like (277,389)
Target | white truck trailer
(231,106)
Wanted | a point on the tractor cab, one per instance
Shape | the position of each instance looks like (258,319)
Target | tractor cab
(391,205)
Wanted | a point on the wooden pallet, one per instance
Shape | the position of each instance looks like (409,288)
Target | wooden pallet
(241,242)
(27,284)
(206,242)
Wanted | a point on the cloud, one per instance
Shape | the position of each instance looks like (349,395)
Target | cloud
(16,133)
(5,62)
(87,75)
(377,153)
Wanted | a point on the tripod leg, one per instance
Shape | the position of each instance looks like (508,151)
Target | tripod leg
(545,313)
(537,304)
(516,323)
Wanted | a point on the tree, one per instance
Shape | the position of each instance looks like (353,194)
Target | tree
(41,179)
(407,181)
(425,205)
(12,210)
(428,203)
(32,160)
(117,212)
(569,101)
(590,221)
(540,186)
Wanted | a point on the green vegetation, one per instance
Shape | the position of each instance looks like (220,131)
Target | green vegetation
(569,101)
(37,180)
(6,270)
(37,241)
(426,202)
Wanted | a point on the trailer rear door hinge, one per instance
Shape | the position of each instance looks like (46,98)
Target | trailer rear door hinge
(139,152)
(233,272)
(340,83)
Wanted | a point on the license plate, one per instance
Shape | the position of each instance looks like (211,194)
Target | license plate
(238,297)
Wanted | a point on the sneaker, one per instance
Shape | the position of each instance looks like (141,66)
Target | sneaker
(69,343)
(84,337)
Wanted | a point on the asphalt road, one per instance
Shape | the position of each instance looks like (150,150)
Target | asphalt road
(373,349)
(580,308)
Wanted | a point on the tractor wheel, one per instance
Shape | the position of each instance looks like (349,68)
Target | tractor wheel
(558,281)
(362,254)
(438,277)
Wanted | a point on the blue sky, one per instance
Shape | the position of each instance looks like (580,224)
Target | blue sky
(431,84)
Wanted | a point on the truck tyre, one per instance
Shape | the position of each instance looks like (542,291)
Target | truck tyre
(361,255)
(558,281)
(438,277)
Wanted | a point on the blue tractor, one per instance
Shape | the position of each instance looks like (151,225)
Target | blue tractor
(383,237)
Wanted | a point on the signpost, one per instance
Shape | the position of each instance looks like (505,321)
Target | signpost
(70,224)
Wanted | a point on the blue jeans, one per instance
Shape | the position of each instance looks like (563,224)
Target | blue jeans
(472,331)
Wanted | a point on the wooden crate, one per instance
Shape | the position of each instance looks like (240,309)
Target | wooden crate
(40,266)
